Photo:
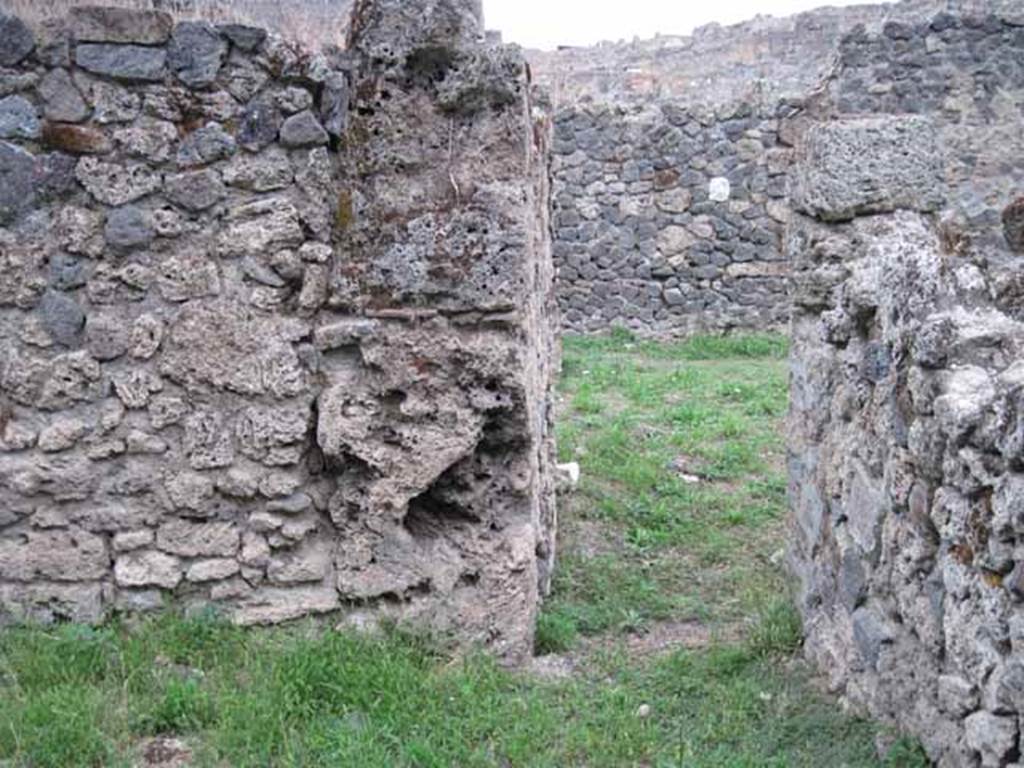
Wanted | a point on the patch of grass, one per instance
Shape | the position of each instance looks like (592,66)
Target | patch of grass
(777,631)
(607,593)
(57,727)
(730,709)
(181,706)
(680,447)
(556,633)
(700,347)
(906,753)
(304,696)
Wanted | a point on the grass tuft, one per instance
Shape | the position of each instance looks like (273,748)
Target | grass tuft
(183,706)
(906,753)
(777,631)
(556,633)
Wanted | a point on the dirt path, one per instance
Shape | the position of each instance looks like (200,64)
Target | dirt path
(659,639)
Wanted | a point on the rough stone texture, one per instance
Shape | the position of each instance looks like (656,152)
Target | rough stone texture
(16,40)
(277,366)
(303,130)
(196,53)
(906,424)
(18,119)
(62,100)
(123,62)
(450,268)
(205,145)
(98,24)
(760,62)
(668,220)
(697,132)
(875,165)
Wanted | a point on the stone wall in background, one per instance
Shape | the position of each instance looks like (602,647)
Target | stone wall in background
(761,62)
(671,163)
(276,327)
(907,419)
(668,220)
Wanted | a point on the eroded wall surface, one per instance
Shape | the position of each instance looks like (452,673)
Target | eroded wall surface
(906,473)
(276,327)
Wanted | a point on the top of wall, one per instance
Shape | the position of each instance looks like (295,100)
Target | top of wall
(313,23)
(761,61)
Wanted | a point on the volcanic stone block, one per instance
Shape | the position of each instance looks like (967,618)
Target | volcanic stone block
(243,37)
(196,53)
(63,101)
(19,188)
(18,119)
(303,130)
(53,556)
(16,40)
(123,62)
(98,24)
(389,27)
(871,165)
(128,227)
(62,317)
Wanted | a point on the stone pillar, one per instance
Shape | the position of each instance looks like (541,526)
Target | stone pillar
(442,292)
(907,422)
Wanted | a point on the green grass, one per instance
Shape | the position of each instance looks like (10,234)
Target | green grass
(639,545)
(620,340)
(304,696)
(681,450)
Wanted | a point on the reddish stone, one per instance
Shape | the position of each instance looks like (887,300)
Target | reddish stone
(1013,224)
(75,139)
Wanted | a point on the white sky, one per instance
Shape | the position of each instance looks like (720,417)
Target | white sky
(549,23)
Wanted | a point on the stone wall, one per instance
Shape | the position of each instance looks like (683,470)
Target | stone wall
(668,220)
(671,165)
(276,329)
(762,61)
(907,422)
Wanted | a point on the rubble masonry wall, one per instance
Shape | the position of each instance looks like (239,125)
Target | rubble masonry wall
(276,327)
(906,428)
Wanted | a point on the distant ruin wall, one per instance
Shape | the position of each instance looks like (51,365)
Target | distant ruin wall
(276,328)
(760,62)
(668,220)
(671,163)
(907,420)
